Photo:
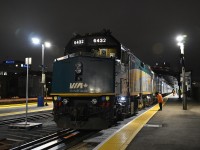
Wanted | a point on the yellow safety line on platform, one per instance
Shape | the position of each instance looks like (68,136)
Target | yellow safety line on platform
(16,105)
(121,138)
(23,112)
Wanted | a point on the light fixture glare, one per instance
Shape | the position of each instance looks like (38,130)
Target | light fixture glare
(36,40)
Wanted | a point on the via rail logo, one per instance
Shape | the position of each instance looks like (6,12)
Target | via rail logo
(77,85)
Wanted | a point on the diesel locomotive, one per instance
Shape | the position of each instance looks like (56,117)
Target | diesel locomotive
(98,81)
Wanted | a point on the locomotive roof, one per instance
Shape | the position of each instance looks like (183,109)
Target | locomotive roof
(103,33)
(91,40)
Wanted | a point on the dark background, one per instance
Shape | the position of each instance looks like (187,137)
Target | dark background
(147,27)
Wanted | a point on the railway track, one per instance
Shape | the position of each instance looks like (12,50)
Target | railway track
(48,136)
(32,117)
(62,139)
(52,141)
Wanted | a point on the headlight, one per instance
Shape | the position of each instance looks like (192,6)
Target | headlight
(94,101)
(78,67)
(78,71)
(91,90)
(123,98)
(65,101)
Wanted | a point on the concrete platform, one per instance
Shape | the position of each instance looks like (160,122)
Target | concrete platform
(7,111)
(170,129)
(176,129)
(8,101)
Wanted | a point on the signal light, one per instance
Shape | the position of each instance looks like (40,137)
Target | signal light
(103,98)
(55,98)
(107,98)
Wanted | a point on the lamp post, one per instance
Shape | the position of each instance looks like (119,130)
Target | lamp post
(181,40)
(26,124)
(28,61)
(47,45)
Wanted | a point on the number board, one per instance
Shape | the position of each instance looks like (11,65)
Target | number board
(94,41)
(77,42)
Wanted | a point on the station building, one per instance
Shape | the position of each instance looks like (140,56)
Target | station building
(13,75)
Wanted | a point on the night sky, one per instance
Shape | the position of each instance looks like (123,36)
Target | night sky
(147,27)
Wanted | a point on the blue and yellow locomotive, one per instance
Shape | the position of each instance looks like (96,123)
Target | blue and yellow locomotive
(98,82)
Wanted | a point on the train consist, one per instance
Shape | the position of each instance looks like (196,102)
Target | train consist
(98,82)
